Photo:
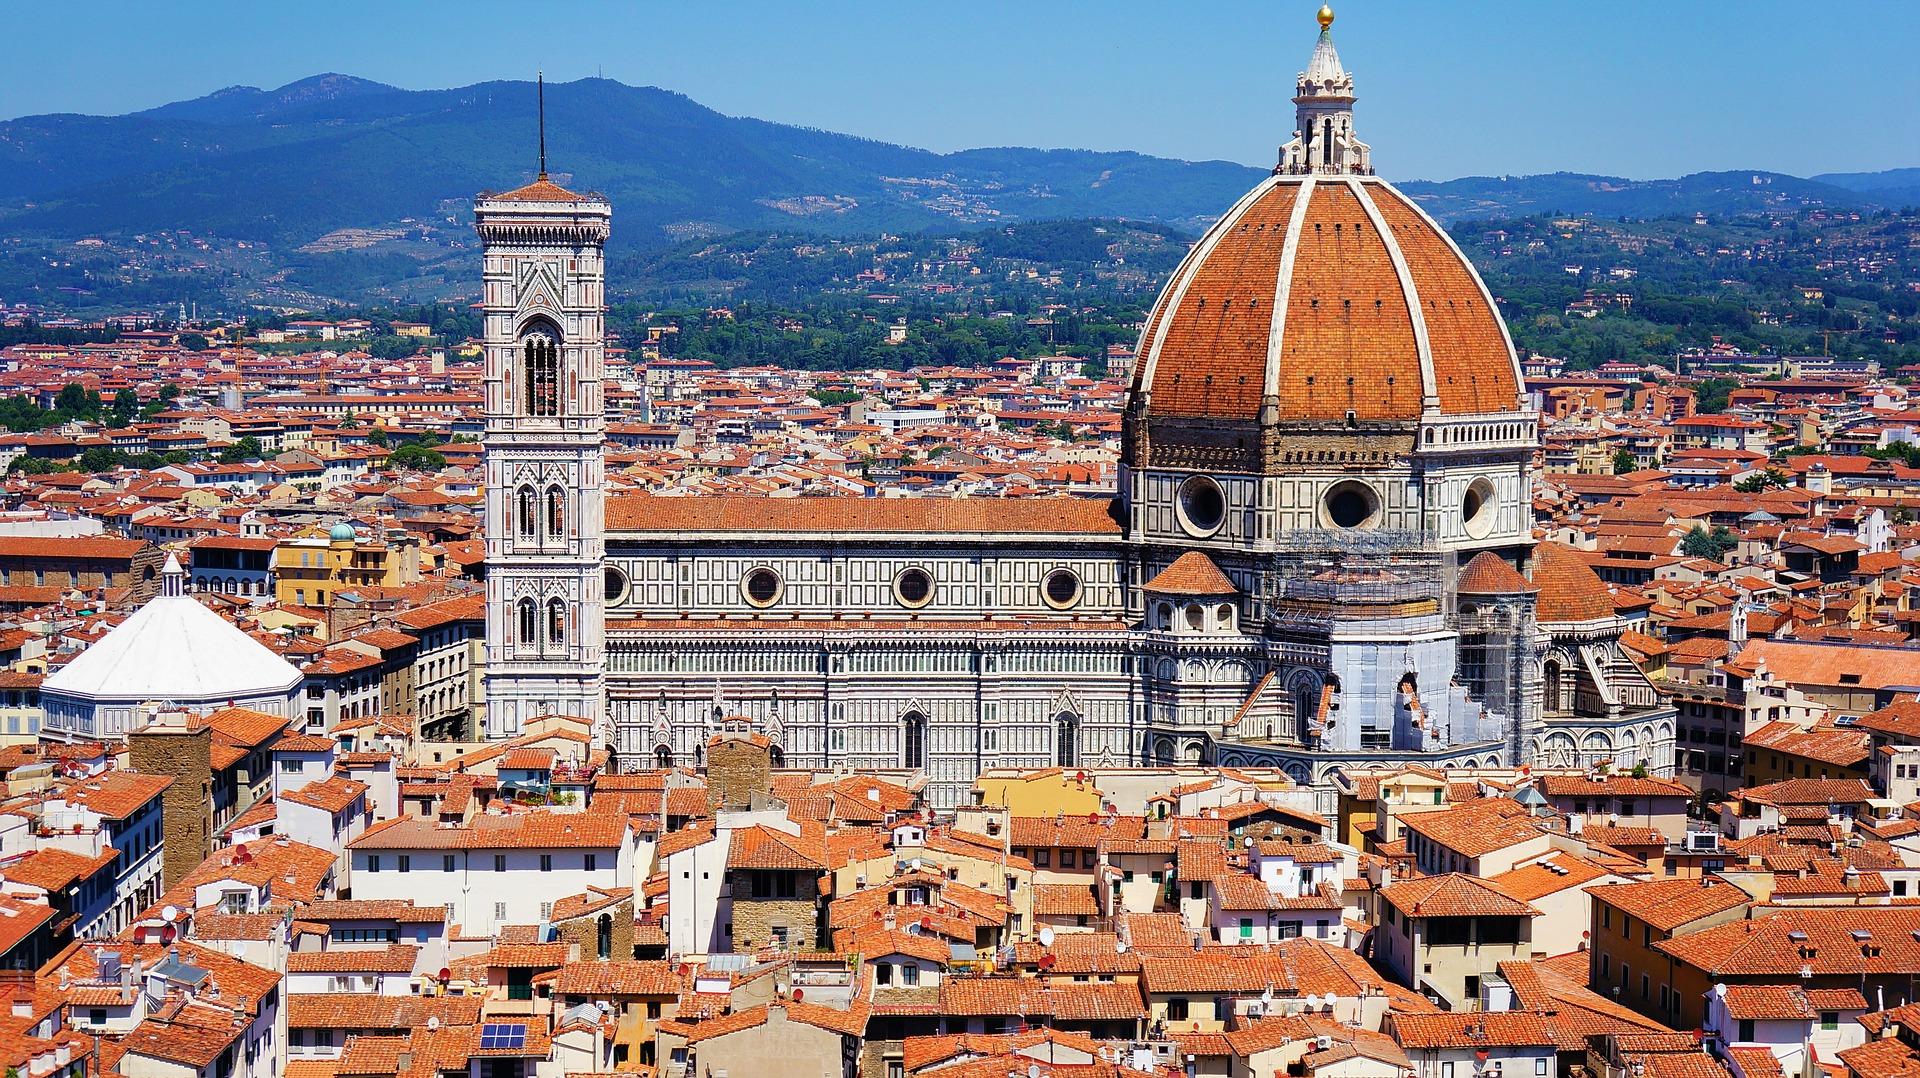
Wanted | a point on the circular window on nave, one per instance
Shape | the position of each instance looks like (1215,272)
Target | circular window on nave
(1476,508)
(1061,588)
(1350,504)
(616,585)
(913,587)
(1202,506)
(762,586)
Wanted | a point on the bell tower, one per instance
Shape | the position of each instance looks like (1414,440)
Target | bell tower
(544,280)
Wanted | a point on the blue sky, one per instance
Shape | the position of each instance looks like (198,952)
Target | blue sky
(1446,89)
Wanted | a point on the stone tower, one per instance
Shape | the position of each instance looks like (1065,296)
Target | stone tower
(544,280)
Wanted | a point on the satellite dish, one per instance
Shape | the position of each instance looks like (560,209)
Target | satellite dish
(1033,1070)
(170,913)
(1313,1002)
(1120,947)
(799,994)
(1046,935)
(433,1022)
(445,974)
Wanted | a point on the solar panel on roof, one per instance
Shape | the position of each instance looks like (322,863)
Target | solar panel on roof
(503,1036)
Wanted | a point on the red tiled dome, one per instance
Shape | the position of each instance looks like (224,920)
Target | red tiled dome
(1569,588)
(1325,296)
(1192,573)
(1489,574)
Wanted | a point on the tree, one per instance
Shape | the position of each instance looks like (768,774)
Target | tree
(393,347)
(244,450)
(377,436)
(163,401)
(193,342)
(1713,545)
(1771,479)
(126,405)
(100,459)
(1624,461)
(418,457)
(76,402)
(1710,395)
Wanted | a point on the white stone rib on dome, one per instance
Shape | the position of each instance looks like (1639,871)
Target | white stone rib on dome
(174,649)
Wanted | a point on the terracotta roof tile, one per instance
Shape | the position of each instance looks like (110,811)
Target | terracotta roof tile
(1192,573)
(749,513)
(1453,895)
(1488,573)
(1569,588)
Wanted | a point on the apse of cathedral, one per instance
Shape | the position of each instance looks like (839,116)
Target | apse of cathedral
(1321,551)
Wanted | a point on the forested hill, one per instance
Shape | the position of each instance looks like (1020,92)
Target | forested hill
(289,166)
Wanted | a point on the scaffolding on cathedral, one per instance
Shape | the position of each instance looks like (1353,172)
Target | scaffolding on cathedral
(1320,577)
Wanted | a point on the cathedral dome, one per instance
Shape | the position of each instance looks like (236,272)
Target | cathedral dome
(1325,299)
(1324,296)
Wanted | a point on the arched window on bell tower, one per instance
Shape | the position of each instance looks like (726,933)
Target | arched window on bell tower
(529,624)
(556,514)
(539,355)
(557,622)
(525,512)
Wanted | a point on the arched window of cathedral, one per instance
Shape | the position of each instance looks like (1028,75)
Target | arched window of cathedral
(1306,708)
(525,500)
(913,740)
(1196,617)
(557,622)
(529,618)
(540,372)
(1550,678)
(556,514)
(1223,616)
(663,757)
(1163,616)
(1066,739)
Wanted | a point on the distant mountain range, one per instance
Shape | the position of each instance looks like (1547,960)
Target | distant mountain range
(287,166)
(334,164)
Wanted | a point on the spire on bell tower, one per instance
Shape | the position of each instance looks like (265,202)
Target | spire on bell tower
(1323,141)
(540,100)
